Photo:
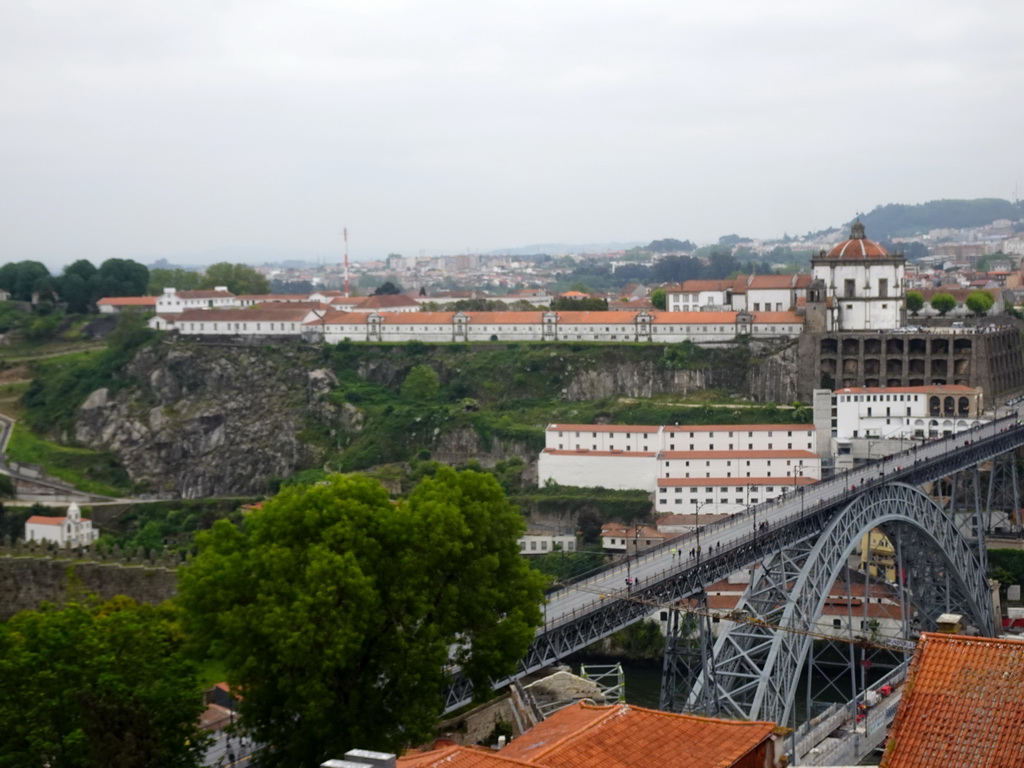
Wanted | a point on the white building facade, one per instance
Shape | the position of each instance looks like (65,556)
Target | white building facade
(861,284)
(532,544)
(71,530)
(684,466)
(172,300)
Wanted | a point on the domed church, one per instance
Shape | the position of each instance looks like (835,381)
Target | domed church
(857,286)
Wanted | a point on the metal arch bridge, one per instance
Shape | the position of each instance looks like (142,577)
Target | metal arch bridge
(809,536)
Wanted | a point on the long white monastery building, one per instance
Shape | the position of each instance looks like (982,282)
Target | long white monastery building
(333,326)
(685,467)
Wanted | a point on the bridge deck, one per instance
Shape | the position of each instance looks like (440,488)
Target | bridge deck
(581,613)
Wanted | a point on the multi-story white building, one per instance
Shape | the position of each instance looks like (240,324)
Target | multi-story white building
(71,530)
(698,295)
(871,422)
(860,284)
(725,466)
(907,412)
(686,437)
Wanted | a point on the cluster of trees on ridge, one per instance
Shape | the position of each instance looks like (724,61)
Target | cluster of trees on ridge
(979,302)
(82,284)
(335,610)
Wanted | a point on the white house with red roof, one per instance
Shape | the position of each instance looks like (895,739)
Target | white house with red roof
(69,530)
(172,301)
(284,319)
(111,305)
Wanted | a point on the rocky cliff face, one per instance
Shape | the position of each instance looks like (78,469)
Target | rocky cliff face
(199,420)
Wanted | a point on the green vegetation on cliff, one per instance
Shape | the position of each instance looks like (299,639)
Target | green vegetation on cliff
(511,392)
(61,385)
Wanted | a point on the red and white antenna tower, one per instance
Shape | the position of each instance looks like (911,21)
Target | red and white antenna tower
(344,232)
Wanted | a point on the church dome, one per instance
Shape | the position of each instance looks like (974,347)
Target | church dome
(858,246)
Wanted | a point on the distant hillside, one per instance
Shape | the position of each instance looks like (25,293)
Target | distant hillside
(888,221)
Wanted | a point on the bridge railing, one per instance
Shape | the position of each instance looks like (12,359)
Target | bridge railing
(984,441)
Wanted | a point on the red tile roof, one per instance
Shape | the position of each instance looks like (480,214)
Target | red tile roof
(694,286)
(770,282)
(127,301)
(458,757)
(777,317)
(625,454)
(963,705)
(596,318)
(739,428)
(43,520)
(386,301)
(693,318)
(624,736)
(601,428)
(508,318)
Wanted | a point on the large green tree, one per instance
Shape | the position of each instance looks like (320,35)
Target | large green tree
(182,279)
(979,302)
(120,277)
(97,686)
(915,302)
(943,303)
(23,278)
(337,611)
(240,279)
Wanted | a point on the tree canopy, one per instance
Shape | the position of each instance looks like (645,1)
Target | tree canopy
(23,278)
(570,304)
(338,611)
(387,289)
(182,279)
(915,302)
(979,302)
(240,279)
(103,685)
(659,298)
(943,302)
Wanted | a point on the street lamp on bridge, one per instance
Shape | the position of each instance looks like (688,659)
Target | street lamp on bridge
(749,489)
(696,520)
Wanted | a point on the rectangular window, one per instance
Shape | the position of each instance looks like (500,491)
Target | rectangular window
(850,289)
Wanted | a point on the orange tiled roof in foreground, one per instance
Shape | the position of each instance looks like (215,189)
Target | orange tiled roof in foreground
(589,736)
(963,706)
(458,757)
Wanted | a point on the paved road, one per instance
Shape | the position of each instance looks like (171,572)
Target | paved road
(584,596)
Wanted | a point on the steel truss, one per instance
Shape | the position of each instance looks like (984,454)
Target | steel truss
(780,549)
(757,665)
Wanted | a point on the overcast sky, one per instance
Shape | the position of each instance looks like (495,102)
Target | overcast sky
(137,129)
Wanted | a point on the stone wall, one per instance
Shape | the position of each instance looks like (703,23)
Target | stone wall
(989,358)
(32,575)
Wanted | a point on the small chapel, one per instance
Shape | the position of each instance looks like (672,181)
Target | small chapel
(71,530)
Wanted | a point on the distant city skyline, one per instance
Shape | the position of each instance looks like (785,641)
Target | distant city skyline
(178,129)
